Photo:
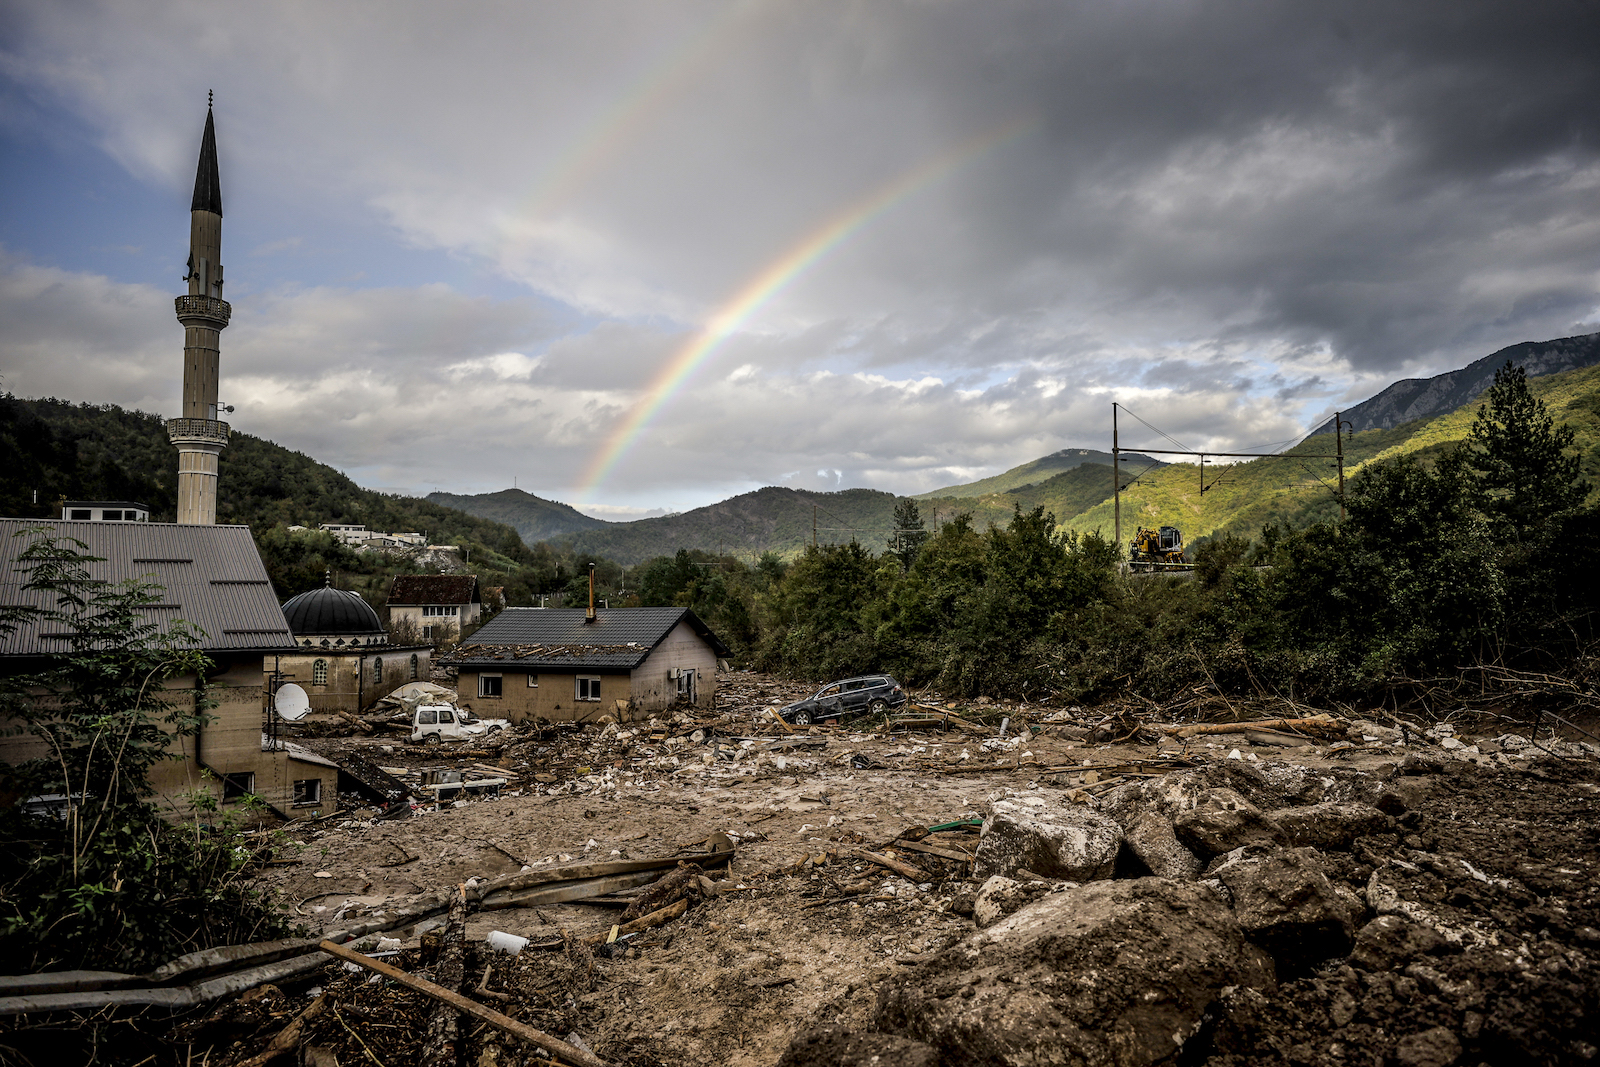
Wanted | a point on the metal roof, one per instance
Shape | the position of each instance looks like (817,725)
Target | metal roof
(330,611)
(559,637)
(207,185)
(212,576)
(413,590)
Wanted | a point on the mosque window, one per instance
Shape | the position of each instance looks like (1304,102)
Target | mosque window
(319,672)
(377,671)
(413,666)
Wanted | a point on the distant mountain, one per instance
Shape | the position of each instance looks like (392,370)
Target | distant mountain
(535,518)
(773,519)
(1417,398)
(1036,471)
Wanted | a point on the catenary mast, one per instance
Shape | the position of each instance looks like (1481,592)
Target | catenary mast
(199,435)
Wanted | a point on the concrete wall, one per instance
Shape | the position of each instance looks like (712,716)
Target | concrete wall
(653,686)
(351,684)
(407,619)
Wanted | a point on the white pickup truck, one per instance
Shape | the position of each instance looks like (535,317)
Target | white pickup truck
(433,723)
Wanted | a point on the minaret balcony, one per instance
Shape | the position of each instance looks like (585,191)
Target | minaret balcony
(198,431)
(209,309)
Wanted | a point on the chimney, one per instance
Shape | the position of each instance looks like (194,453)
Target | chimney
(590,617)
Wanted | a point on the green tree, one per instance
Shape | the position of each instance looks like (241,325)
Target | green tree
(1520,458)
(910,533)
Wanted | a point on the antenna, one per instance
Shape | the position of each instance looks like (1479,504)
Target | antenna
(291,703)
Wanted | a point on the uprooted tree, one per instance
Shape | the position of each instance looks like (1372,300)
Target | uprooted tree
(94,876)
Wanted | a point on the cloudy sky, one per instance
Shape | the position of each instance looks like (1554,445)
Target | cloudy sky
(638,255)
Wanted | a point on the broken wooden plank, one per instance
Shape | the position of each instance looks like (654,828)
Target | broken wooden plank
(934,850)
(557,1048)
(644,922)
(904,870)
(449,970)
(287,1040)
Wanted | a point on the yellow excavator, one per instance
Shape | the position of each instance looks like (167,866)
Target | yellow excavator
(1151,549)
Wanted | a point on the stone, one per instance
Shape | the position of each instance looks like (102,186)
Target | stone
(1422,763)
(1438,1047)
(1285,902)
(1072,844)
(1153,842)
(1172,794)
(1222,821)
(830,1046)
(1364,730)
(1389,941)
(1120,972)
(1001,896)
(1331,827)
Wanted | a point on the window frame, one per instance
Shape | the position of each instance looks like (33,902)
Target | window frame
(237,786)
(499,686)
(301,800)
(584,682)
(319,672)
(533,681)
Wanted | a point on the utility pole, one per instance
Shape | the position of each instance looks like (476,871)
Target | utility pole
(1116,482)
(1338,438)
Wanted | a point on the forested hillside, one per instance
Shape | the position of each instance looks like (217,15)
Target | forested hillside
(52,449)
(535,518)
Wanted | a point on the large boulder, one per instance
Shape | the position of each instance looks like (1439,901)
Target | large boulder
(1223,821)
(1153,843)
(1072,844)
(1285,902)
(1114,972)
(1331,827)
(1173,794)
(1000,897)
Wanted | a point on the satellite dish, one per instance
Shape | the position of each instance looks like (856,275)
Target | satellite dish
(291,703)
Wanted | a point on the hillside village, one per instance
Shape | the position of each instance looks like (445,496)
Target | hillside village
(1286,757)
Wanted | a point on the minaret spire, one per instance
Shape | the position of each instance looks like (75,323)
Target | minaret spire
(198,434)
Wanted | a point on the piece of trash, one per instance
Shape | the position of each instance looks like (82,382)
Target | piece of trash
(323,874)
(389,944)
(1005,724)
(1235,754)
(510,944)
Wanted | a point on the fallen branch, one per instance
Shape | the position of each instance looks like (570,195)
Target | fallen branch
(644,922)
(904,870)
(444,1024)
(289,1037)
(538,1038)
(1314,724)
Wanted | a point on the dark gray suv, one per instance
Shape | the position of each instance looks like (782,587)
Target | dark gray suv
(874,693)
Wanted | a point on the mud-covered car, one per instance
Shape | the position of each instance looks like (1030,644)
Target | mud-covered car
(866,694)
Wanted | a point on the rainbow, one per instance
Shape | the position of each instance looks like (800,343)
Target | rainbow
(771,280)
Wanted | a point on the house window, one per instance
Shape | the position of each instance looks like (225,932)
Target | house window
(427,633)
(319,672)
(237,786)
(377,671)
(488,685)
(112,516)
(308,791)
(533,681)
(83,514)
(413,666)
(588,688)
(439,609)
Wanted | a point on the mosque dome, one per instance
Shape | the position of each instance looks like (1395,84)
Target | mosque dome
(329,612)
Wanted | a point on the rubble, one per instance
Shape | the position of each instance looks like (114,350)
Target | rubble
(721,887)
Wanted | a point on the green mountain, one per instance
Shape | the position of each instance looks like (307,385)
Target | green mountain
(773,519)
(535,518)
(1035,471)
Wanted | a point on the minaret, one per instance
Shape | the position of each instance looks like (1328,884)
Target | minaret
(198,434)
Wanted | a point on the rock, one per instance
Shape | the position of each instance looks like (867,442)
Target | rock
(1438,1047)
(1152,840)
(1072,844)
(1389,941)
(1331,827)
(1285,903)
(1001,896)
(1173,794)
(1422,763)
(1223,821)
(1110,972)
(1363,730)
(830,1046)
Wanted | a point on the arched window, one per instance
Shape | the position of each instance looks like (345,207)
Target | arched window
(413,666)
(319,672)
(377,671)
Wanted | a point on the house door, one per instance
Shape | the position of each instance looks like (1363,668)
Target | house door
(686,685)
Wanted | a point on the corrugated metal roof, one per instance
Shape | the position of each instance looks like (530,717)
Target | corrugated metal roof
(559,637)
(213,577)
(415,590)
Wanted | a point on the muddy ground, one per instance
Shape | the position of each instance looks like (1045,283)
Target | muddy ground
(1498,844)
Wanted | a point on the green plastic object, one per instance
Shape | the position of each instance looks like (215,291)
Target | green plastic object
(955,825)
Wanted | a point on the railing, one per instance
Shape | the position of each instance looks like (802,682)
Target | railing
(208,431)
(203,307)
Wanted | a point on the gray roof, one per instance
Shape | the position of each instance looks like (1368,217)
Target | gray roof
(620,638)
(213,577)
